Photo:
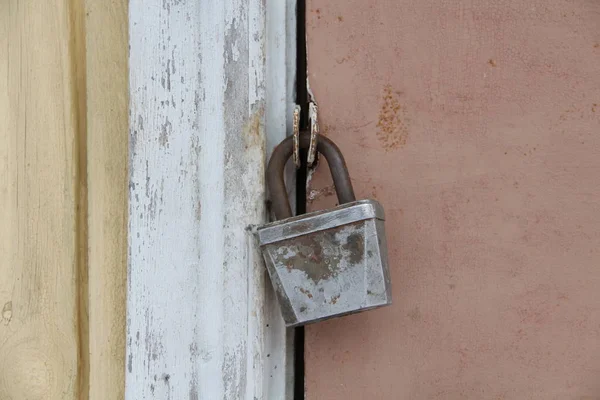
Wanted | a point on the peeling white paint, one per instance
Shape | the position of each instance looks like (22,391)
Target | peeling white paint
(197,313)
(203,322)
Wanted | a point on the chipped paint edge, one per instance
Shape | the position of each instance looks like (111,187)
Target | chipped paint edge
(281,94)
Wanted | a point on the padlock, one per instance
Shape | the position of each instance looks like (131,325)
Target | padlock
(328,263)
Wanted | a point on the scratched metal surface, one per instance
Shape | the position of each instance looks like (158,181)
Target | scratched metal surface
(476,125)
(320,220)
(319,274)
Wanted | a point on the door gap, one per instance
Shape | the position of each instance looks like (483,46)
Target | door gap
(302,99)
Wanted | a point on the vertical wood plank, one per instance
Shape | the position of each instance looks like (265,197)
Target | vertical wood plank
(280,101)
(63,179)
(106,27)
(39,191)
(197,152)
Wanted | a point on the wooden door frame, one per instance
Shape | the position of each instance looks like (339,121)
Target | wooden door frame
(211,88)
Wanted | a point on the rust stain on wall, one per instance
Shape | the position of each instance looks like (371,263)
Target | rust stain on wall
(392,123)
(253,129)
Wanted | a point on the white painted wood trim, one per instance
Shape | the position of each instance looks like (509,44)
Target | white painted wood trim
(199,301)
(280,100)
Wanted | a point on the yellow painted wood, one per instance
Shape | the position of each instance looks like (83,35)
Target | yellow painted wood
(107,154)
(63,158)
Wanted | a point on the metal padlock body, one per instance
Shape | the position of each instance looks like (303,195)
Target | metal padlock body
(327,263)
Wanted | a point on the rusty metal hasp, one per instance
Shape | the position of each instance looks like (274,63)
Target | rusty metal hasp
(327,263)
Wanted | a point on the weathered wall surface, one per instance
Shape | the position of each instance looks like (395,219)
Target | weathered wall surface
(63,185)
(196,321)
(477,125)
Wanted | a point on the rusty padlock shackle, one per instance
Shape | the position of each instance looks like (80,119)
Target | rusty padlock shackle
(282,153)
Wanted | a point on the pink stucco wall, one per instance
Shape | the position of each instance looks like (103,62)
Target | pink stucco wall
(477,125)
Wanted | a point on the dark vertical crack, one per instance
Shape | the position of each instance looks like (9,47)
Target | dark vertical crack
(302,99)
(301,176)
(302,96)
